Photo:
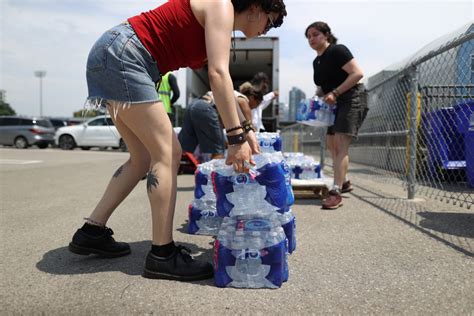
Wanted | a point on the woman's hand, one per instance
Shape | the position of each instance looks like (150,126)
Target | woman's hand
(330,98)
(240,157)
(253,142)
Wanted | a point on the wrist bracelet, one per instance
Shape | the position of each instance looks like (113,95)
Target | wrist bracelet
(236,139)
(248,126)
(336,93)
(233,129)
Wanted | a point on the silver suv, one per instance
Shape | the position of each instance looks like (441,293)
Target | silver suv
(22,132)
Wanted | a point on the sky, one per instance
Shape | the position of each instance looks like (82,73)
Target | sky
(56,36)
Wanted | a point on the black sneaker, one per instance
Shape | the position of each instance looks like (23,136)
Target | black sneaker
(178,266)
(103,245)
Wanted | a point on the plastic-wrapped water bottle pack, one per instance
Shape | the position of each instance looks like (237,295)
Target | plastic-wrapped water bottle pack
(316,112)
(303,167)
(203,218)
(265,189)
(250,215)
(269,142)
(250,252)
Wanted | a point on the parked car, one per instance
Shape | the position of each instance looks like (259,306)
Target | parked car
(99,131)
(75,120)
(58,122)
(22,132)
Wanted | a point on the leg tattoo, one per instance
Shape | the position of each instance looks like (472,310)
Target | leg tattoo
(118,171)
(151,181)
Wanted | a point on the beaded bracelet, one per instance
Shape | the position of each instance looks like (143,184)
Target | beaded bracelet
(233,129)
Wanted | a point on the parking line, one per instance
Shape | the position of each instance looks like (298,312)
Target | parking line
(18,162)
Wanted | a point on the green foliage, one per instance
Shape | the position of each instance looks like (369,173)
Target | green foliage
(86,113)
(5,109)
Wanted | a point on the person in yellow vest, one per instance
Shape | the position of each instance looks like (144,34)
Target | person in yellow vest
(168,86)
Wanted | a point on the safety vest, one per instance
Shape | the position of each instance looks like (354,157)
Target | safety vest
(164,92)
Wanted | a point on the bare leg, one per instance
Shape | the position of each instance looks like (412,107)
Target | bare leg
(341,162)
(331,147)
(149,123)
(125,177)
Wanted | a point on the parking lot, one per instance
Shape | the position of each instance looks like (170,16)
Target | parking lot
(378,254)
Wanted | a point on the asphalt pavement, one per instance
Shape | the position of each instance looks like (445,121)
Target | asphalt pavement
(378,254)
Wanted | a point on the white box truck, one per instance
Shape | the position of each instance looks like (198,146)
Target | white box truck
(253,55)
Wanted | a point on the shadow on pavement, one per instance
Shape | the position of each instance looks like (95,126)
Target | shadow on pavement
(455,230)
(184,227)
(317,202)
(62,262)
(457,224)
(365,171)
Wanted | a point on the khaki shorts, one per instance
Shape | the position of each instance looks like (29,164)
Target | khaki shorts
(350,112)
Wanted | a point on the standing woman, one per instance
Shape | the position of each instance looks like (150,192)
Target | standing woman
(336,74)
(122,69)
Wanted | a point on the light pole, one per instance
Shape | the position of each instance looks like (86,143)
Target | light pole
(40,74)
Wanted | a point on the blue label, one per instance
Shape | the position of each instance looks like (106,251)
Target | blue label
(241,179)
(257,225)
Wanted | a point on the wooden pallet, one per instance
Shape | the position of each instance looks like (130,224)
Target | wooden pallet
(310,189)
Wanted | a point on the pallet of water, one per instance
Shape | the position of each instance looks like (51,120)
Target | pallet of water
(302,166)
(307,178)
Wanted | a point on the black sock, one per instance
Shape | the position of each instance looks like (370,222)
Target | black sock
(93,230)
(163,250)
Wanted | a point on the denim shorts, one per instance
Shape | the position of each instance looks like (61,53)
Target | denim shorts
(120,68)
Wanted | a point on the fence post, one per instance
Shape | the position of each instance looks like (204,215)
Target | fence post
(322,147)
(300,137)
(413,73)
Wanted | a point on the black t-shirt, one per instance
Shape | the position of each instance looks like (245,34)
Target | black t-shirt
(328,72)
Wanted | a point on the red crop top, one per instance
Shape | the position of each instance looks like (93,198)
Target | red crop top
(172,35)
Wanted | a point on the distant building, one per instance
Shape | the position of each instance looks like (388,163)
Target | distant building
(2,95)
(296,95)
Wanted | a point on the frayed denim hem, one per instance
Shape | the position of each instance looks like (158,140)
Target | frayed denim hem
(105,106)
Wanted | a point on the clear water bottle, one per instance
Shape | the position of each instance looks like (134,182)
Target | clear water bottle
(203,218)
(203,221)
(290,199)
(288,223)
(273,176)
(325,116)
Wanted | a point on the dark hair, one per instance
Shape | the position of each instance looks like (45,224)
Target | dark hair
(260,77)
(324,28)
(260,81)
(267,6)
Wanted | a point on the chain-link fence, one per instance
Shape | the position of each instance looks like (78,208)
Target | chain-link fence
(427,142)
(305,139)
